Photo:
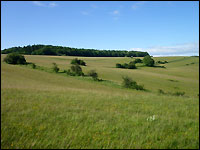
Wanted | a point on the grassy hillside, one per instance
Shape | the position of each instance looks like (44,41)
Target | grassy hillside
(41,109)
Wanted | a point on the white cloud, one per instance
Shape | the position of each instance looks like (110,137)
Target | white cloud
(85,13)
(52,4)
(185,49)
(138,4)
(115,12)
(42,4)
(38,3)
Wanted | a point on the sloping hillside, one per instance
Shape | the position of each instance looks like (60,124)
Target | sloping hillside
(40,109)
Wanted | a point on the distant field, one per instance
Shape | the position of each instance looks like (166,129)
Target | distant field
(40,109)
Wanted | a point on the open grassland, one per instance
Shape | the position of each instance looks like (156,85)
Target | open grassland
(40,109)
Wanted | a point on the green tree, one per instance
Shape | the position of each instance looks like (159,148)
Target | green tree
(131,65)
(77,70)
(77,61)
(15,58)
(148,61)
(55,67)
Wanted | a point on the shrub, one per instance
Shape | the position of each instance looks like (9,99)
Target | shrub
(148,61)
(118,65)
(129,83)
(77,70)
(15,58)
(162,62)
(82,63)
(138,60)
(55,67)
(77,61)
(125,65)
(179,93)
(131,65)
(93,74)
(70,73)
(162,67)
(160,91)
(33,65)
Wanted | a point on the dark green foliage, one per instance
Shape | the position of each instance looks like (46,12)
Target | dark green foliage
(93,74)
(55,67)
(173,80)
(68,51)
(169,93)
(138,60)
(15,58)
(148,61)
(131,65)
(162,62)
(118,65)
(33,65)
(179,93)
(77,61)
(129,83)
(160,91)
(77,70)
(69,72)
(162,66)
(125,65)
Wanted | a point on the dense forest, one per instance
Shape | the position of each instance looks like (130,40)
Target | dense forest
(68,51)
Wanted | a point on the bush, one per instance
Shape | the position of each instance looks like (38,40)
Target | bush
(131,65)
(93,74)
(118,65)
(33,65)
(15,58)
(125,65)
(70,73)
(77,61)
(161,91)
(82,63)
(148,61)
(55,67)
(138,60)
(162,62)
(179,93)
(77,70)
(129,83)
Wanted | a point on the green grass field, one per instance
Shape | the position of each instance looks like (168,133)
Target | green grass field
(42,109)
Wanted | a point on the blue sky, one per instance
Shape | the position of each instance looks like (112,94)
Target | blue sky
(161,28)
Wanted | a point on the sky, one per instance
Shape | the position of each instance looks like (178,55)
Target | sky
(161,28)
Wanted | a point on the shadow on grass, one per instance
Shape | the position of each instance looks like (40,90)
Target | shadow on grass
(159,67)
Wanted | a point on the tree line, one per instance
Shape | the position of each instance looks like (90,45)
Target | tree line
(69,51)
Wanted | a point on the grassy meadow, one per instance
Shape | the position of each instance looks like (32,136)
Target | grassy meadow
(42,109)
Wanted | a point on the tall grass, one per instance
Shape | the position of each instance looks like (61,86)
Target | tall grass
(41,109)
